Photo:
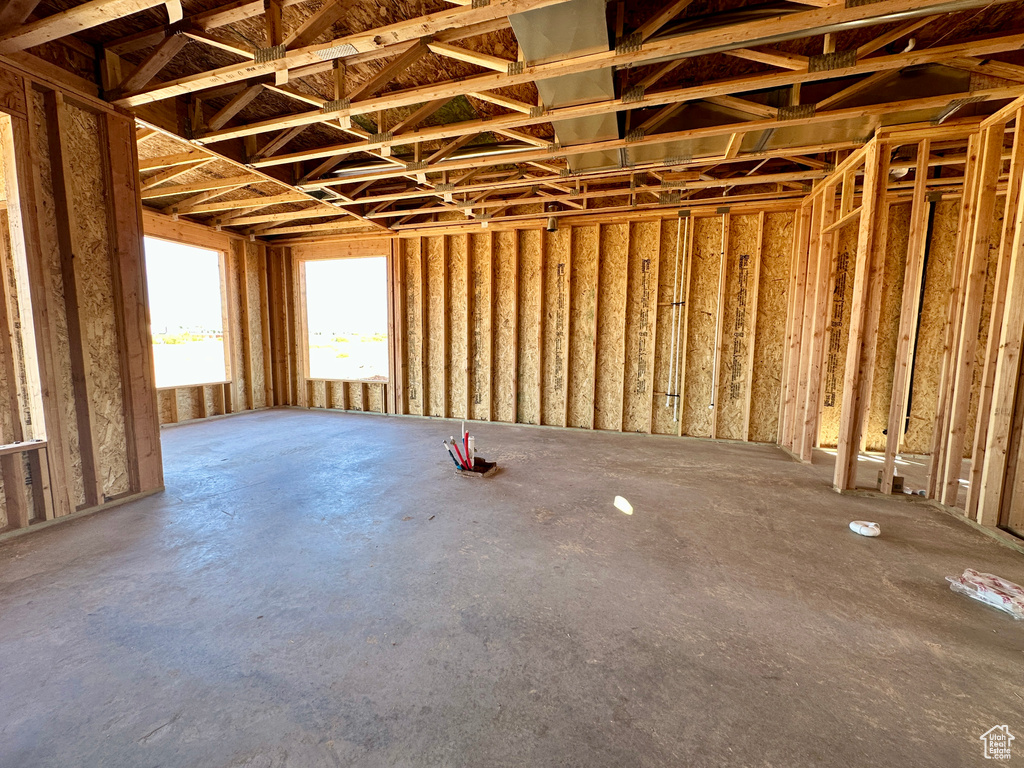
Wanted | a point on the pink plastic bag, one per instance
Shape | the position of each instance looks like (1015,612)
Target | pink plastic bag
(990,589)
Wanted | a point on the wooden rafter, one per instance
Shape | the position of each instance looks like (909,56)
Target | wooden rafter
(76,19)
(730,86)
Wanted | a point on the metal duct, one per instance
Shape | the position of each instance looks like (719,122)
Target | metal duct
(566,30)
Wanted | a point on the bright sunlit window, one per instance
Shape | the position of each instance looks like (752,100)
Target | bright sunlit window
(347,317)
(186,313)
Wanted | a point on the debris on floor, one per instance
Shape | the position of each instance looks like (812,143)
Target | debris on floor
(864,528)
(990,589)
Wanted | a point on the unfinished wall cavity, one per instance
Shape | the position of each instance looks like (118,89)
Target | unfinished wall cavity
(572,328)
(76,351)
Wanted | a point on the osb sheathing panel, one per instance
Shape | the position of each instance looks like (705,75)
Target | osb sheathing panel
(732,370)
(165,405)
(582,326)
(436,313)
(641,295)
(254,256)
(480,326)
(888,326)
(188,403)
(669,272)
(458,343)
(530,295)
(233,315)
(96,299)
(47,220)
(375,398)
(556,326)
(505,320)
(703,315)
(410,251)
(588,323)
(995,238)
(834,366)
(611,326)
(318,394)
(769,337)
(355,396)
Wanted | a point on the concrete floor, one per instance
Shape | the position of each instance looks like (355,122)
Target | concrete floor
(319,589)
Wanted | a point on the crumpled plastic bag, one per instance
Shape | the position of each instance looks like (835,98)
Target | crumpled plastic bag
(990,589)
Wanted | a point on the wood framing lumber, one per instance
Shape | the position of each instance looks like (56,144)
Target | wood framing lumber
(860,350)
(726,87)
(909,308)
(76,19)
(370,40)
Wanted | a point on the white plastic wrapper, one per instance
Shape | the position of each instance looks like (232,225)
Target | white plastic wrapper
(990,589)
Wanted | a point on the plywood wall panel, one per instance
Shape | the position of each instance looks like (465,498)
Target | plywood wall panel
(641,298)
(583,326)
(838,336)
(409,249)
(769,339)
(733,374)
(47,225)
(506,318)
(254,254)
(703,311)
(458,342)
(927,368)
(480,326)
(611,326)
(888,326)
(557,267)
(436,351)
(662,423)
(93,267)
(530,340)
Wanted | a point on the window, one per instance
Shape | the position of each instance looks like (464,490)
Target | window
(186,314)
(347,318)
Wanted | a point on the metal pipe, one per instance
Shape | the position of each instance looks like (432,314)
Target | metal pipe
(669,390)
(683,299)
(718,314)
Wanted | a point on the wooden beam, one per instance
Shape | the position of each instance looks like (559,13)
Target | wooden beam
(852,90)
(729,86)
(863,319)
(892,36)
(406,31)
(773,58)
(909,308)
(15,13)
(752,333)
(150,66)
(745,106)
(661,18)
(389,72)
(990,163)
(174,172)
(321,21)
(471,57)
(76,19)
(237,103)
(66,219)
(994,462)
(419,115)
(792,25)
(197,186)
(504,101)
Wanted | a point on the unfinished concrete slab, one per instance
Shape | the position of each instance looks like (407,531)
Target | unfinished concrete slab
(320,589)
